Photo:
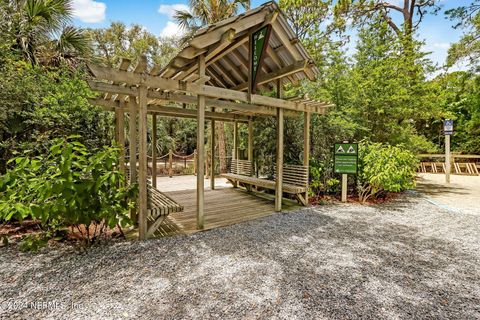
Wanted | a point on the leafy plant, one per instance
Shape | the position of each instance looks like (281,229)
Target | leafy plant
(384,167)
(68,186)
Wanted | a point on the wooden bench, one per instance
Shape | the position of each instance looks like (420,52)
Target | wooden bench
(295,179)
(159,206)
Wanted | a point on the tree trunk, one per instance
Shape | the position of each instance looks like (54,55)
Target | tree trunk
(220,130)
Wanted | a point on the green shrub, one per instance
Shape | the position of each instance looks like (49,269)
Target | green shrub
(384,168)
(68,186)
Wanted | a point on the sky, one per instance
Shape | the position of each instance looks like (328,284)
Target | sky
(157,17)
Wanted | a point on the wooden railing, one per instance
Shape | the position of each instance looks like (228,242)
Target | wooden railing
(465,164)
(176,164)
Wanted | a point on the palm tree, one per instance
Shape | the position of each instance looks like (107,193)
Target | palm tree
(205,12)
(42,33)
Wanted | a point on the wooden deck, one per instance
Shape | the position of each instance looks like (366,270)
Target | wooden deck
(223,207)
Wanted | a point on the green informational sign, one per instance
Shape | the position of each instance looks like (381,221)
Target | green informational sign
(346,158)
(259,43)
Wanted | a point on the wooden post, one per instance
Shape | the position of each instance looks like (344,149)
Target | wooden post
(250,144)
(120,122)
(279,170)
(170,163)
(235,140)
(344,187)
(212,155)
(142,168)
(207,165)
(195,162)
(154,150)
(133,148)
(447,158)
(306,146)
(200,148)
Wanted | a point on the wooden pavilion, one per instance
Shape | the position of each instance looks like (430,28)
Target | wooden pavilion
(223,67)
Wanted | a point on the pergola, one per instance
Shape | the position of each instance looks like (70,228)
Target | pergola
(223,67)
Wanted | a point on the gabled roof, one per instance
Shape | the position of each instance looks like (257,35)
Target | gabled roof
(225,46)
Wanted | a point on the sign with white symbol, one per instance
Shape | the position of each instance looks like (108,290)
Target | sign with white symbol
(346,161)
(448,127)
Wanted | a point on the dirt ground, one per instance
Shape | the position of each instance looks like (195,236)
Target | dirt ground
(462,194)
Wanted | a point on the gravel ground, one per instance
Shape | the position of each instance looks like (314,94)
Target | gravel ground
(402,260)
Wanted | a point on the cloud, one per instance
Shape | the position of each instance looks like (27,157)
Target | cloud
(171,29)
(442,45)
(89,11)
(169,9)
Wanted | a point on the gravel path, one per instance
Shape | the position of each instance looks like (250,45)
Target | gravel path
(402,260)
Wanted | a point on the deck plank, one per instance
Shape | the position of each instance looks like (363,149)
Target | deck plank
(223,207)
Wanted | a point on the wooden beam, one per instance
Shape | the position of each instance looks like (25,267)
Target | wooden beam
(209,38)
(120,127)
(154,150)
(279,158)
(280,73)
(133,149)
(250,142)
(306,146)
(124,64)
(142,166)
(235,140)
(224,72)
(200,149)
(174,111)
(188,72)
(183,98)
(197,89)
(235,69)
(212,152)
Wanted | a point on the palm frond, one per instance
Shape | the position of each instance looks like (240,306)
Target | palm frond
(184,19)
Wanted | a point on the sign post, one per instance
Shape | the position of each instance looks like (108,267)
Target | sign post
(345,162)
(448,131)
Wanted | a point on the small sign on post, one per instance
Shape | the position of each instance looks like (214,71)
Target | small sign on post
(448,131)
(345,162)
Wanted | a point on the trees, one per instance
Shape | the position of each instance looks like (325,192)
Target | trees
(41,32)
(459,99)
(119,41)
(468,18)
(205,12)
(412,13)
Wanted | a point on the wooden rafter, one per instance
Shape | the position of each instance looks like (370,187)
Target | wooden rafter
(131,78)
(280,73)
(173,111)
